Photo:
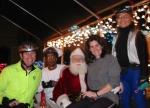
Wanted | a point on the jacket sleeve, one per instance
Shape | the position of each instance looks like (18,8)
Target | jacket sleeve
(141,46)
(59,89)
(113,71)
(4,80)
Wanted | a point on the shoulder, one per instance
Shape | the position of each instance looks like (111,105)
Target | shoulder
(10,69)
(109,56)
(141,34)
(38,69)
(13,66)
(60,66)
(64,72)
(44,68)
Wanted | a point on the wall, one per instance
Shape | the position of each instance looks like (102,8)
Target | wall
(10,38)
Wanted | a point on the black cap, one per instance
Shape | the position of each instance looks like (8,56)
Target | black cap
(121,9)
(51,50)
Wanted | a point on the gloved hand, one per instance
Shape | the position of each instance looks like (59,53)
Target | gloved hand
(143,83)
(21,105)
(47,84)
(6,101)
(65,102)
(118,89)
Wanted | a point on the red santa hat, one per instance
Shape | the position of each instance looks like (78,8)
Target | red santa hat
(77,51)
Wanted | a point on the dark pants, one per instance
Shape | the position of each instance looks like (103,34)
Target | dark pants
(99,103)
(2,106)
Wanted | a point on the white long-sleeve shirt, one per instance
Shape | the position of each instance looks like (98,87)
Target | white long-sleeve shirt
(48,75)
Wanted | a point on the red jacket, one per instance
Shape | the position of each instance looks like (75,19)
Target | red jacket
(68,84)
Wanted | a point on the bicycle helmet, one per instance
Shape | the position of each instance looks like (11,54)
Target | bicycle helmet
(27,47)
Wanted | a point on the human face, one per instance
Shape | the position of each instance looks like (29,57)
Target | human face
(28,57)
(51,60)
(77,59)
(95,48)
(124,19)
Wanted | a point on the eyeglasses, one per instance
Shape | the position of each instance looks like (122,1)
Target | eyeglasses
(50,57)
(122,17)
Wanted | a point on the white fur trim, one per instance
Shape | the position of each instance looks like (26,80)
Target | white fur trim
(60,98)
(77,51)
(65,102)
(82,83)
(59,51)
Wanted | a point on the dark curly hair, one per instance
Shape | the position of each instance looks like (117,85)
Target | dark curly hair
(89,56)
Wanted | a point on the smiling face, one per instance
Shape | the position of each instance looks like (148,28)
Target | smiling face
(124,19)
(95,48)
(28,57)
(51,60)
(77,59)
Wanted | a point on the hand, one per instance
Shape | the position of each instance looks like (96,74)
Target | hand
(22,105)
(14,103)
(54,83)
(48,84)
(89,94)
(118,89)
(45,84)
(143,86)
(143,83)
(9,103)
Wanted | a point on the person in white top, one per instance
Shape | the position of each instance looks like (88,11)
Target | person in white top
(50,76)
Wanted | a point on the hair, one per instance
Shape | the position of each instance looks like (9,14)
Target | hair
(88,55)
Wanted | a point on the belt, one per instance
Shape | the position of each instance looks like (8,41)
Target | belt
(77,97)
(130,65)
(74,96)
(124,69)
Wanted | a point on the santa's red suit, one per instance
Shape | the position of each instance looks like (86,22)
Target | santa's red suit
(68,87)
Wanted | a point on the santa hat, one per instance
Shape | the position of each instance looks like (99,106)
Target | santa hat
(77,51)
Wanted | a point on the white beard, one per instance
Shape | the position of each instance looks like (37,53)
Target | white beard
(78,69)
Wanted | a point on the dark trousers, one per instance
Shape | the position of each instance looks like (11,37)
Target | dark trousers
(99,103)
(2,106)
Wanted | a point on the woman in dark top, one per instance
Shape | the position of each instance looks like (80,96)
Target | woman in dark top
(130,49)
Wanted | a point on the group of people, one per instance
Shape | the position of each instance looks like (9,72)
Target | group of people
(91,80)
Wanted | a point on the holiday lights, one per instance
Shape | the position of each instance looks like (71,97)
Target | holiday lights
(104,27)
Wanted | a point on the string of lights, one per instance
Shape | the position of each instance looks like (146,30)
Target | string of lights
(104,27)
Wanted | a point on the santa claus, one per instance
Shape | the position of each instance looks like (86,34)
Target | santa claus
(72,81)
